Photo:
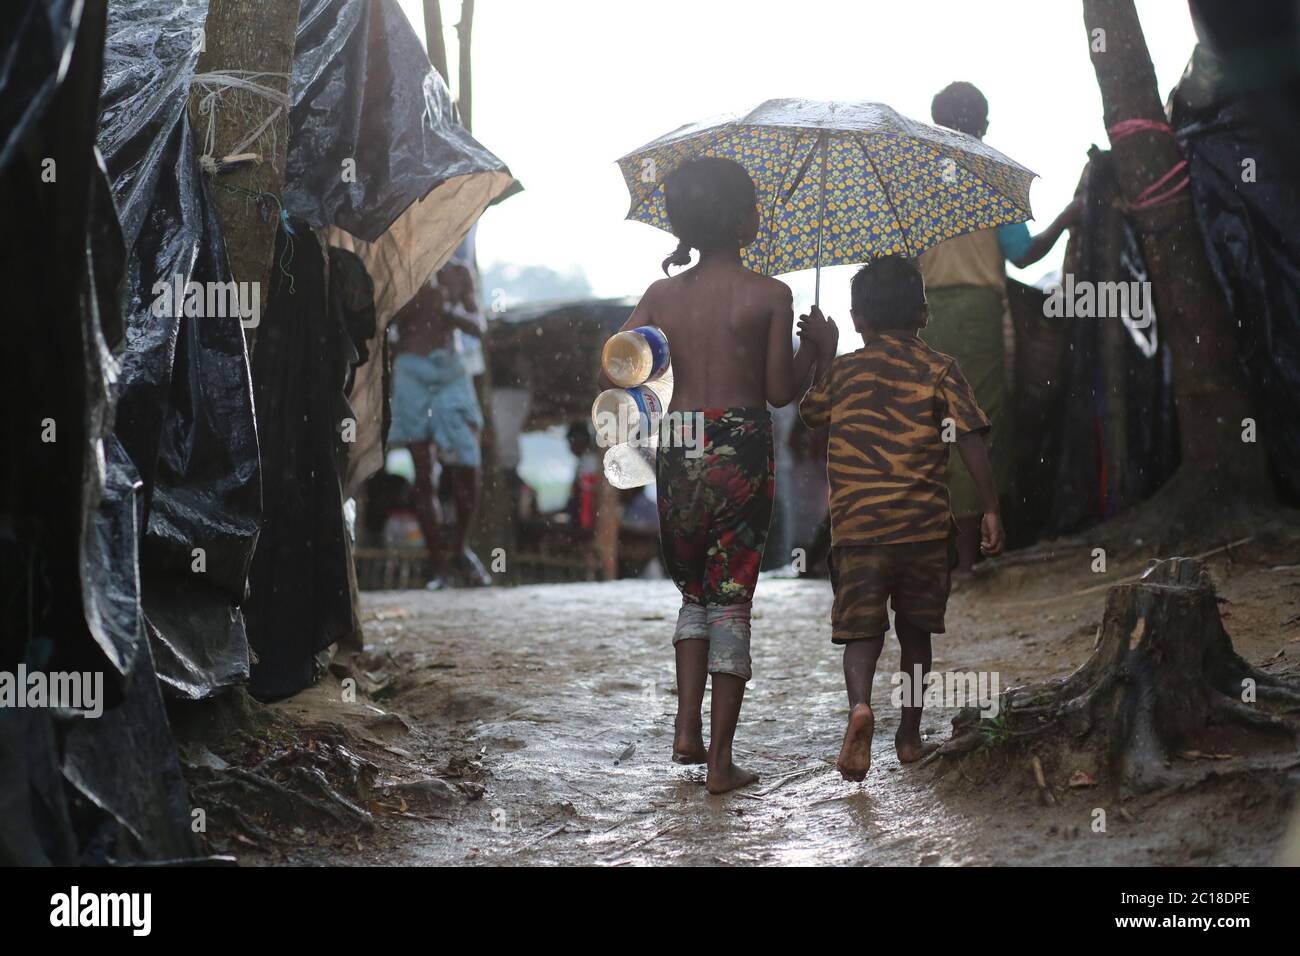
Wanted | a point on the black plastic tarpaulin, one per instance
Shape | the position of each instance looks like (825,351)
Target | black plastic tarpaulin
(36,37)
(372,127)
(375,157)
(300,598)
(185,416)
(1093,400)
(1245,181)
(105,787)
(377,154)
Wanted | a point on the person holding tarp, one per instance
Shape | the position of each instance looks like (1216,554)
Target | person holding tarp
(965,281)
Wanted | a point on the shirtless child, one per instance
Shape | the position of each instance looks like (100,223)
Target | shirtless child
(895,406)
(730,334)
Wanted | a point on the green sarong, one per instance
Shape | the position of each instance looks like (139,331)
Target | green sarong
(966,323)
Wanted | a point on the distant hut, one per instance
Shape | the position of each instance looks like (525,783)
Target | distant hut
(543,360)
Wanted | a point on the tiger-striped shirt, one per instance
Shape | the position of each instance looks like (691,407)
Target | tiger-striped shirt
(890,405)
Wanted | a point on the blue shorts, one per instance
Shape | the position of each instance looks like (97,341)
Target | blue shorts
(434,401)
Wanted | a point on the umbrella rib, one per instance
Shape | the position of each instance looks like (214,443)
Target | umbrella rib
(803,167)
(645,200)
(992,188)
(776,196)
(907,242)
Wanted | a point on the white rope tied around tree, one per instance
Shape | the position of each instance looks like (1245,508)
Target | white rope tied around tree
(215,84)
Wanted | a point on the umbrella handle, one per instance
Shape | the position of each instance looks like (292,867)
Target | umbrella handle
(824,139)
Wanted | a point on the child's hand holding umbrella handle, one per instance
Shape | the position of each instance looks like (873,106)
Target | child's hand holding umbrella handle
(820,331)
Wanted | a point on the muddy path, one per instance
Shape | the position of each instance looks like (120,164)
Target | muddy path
(558,700)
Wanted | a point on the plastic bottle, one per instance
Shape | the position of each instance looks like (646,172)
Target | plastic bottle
(627,418)
(630,465)
(636,356)
(629,414)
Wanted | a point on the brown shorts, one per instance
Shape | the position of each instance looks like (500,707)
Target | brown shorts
(915,578)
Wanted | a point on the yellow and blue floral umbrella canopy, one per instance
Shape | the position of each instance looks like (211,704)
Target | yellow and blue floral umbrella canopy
(840,182)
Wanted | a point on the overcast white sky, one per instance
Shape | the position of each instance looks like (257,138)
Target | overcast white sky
(562,88)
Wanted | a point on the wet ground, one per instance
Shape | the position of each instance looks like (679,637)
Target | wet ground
(554,703)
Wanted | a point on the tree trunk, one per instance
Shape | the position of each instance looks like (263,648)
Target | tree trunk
(1163,682)
(255,37)
(1193,317)
(433,39)
(465,89)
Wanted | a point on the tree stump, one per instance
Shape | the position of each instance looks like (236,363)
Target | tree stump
(1163,681)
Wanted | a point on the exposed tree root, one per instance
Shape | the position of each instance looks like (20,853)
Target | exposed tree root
(1163,681)
(314,781)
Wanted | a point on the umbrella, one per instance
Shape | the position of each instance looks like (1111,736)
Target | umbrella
(840,182)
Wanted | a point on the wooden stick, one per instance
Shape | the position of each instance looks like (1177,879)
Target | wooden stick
(545,836)
(843,796)
(1038,773)
(785,778)
(641,843)
(1106,586)
(433,40)
(1041,778)
(1037,554)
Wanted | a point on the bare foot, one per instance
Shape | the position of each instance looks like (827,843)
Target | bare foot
(912,749)
(689,748)
(730,777)
(855,755)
